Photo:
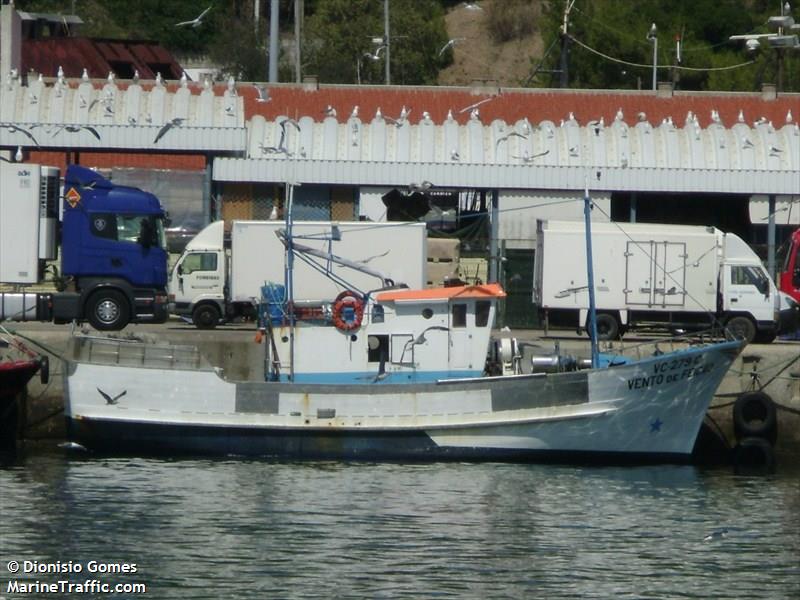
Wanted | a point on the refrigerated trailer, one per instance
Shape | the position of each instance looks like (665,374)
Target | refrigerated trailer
(650,275)
(219,278)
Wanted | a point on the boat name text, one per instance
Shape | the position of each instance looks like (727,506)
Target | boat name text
(670,371)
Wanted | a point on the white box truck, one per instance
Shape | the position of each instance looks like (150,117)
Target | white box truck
(681,277)
(214,280)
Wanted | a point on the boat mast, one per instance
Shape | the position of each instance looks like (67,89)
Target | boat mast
(289,273)
(587,208)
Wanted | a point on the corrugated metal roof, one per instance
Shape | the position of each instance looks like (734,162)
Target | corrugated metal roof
(70,114)
(98,56)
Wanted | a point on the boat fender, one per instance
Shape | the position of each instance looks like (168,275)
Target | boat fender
(753,455)
(754,415)
(348,311)
(44,370)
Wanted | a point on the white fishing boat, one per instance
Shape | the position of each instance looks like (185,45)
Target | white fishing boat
(393,374)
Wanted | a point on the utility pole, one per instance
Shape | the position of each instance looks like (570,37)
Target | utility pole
(387,41)
(274,42)
(564,79)
(652,37)
(298,26)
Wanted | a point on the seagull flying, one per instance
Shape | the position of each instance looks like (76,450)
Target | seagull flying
(508,135)
(76,129)
(109,399)
(263,94)
(196,22)
(528,158)
(477,104)
(12,128)
(176,122)
(450,43)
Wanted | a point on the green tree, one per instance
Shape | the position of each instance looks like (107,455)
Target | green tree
(339,33)
(617,29)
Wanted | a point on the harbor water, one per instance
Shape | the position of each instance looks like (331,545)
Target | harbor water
(234,528)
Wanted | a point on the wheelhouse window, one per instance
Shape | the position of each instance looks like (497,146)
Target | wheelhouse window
(459,315)
(482,308)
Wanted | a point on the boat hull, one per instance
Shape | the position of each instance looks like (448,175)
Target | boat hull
(648,410)
(14,376)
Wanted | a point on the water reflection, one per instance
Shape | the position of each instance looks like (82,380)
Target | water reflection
(256,529)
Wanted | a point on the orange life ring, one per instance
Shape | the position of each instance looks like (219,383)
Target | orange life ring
(354,305)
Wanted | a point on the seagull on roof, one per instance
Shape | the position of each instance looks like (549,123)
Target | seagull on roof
(176,122)
(619,116)
(354,114)
(789,117)
(329,111)
(197,21)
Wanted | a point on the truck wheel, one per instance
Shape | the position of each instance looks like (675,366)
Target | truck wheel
(607,327)
(742,328)
(205,316)
(107,310)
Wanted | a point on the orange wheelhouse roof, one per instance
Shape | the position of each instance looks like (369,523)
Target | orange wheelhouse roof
(488,290)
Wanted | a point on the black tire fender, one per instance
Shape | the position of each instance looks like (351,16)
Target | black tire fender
(755,415)
(753,455)
(44,370)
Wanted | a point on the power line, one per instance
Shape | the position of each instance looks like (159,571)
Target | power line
(650,66)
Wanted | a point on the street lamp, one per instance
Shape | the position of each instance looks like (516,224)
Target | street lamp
(783,39)
(652,37)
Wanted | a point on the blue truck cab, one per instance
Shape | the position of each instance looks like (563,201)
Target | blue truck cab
(113,248)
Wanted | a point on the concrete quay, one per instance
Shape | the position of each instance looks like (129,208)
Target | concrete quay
(772,368)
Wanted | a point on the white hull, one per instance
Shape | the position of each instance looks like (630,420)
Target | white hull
(652,408)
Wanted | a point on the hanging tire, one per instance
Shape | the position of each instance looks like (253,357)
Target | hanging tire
(608,327)
(753,455)
(755,415)
(107,310)
(742,328)
(206,316)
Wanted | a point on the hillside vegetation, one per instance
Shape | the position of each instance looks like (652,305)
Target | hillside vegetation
(449,42)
